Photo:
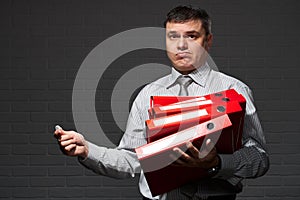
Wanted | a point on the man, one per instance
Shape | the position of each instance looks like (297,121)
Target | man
(188,35)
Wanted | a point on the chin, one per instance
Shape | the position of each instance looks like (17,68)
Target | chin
(185,69)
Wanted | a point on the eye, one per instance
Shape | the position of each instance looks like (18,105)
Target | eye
(173,36)
(192,36)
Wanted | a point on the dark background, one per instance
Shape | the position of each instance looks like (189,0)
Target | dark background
(43,43)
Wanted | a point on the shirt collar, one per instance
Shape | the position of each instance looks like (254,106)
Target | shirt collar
(199,76)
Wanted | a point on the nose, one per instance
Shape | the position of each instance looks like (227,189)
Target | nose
(182,44)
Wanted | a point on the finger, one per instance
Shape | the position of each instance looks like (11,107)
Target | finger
(65,137)
(182,155)
(176,161)
(67,142)
(70,147)
(209,145)
(179,163)
(194,151)
(58,132)
(57,127)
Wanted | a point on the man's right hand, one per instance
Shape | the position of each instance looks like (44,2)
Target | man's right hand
(71,143)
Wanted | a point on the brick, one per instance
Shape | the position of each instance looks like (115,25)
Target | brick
(47,31)
(83,31)
(29,107)
(53,149)
(291,84)
(265,181)
(29,149)
(57,95)
(65,42)
(63,20)
(103,192)
(276,159)
(283,192)
(5,193)
(47,138)
(29,127)
(47,182)
(130,192)
(72,161)
(60,62)
(256,192)
(61,85)
(5,171)
(19,42)
(30,171)
(280,116)
(45,52)
(284,170)
(4,85)
(29,85)
(66,192)
(14,139)
(37,160)
(292,159)
(14,182)
(291,138)
(26,20)
(5,149)
(13,74)
(284,149)
(111,182)
(273,138)
(46,117)
(49,74)
(4,127)
(281,127)
(65,171)
(30,192)
(83,181)
(60,107)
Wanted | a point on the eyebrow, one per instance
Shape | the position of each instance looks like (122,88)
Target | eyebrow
(188,32)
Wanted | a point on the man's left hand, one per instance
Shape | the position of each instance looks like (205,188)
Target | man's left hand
(207,158)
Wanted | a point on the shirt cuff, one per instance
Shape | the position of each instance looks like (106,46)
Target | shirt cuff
(95,152)
(227,166)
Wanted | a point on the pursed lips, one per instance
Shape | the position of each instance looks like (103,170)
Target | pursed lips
(183,54)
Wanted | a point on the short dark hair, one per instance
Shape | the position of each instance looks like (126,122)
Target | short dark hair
(181,14)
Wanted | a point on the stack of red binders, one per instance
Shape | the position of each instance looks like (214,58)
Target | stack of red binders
(176,120)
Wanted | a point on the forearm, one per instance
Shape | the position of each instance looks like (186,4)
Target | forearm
(113,163)
(248,162)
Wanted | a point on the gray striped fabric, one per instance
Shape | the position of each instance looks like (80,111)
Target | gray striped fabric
(248,162)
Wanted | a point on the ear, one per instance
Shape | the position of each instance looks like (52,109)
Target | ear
(208,42)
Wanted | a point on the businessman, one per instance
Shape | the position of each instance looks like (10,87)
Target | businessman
(188,38)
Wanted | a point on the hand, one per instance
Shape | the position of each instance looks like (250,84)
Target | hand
(207,158)
(71,143)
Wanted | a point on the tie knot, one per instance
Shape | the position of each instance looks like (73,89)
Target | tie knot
(184,80)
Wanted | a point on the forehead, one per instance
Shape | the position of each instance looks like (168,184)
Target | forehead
(193,25)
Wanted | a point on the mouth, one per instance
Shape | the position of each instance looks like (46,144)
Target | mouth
(181,55)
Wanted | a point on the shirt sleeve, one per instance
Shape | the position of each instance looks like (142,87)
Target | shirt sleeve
(120,162)
(252,159)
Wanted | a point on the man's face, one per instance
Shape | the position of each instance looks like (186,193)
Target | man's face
(186,45)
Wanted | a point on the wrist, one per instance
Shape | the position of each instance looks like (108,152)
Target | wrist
(216,167)
(85,152)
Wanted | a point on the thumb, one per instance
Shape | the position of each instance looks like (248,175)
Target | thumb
(59,130)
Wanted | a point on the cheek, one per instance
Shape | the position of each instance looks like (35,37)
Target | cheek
(171,46)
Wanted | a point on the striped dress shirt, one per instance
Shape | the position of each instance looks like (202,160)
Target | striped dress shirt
(249,162)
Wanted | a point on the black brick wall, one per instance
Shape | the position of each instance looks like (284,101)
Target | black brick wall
(43,43)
